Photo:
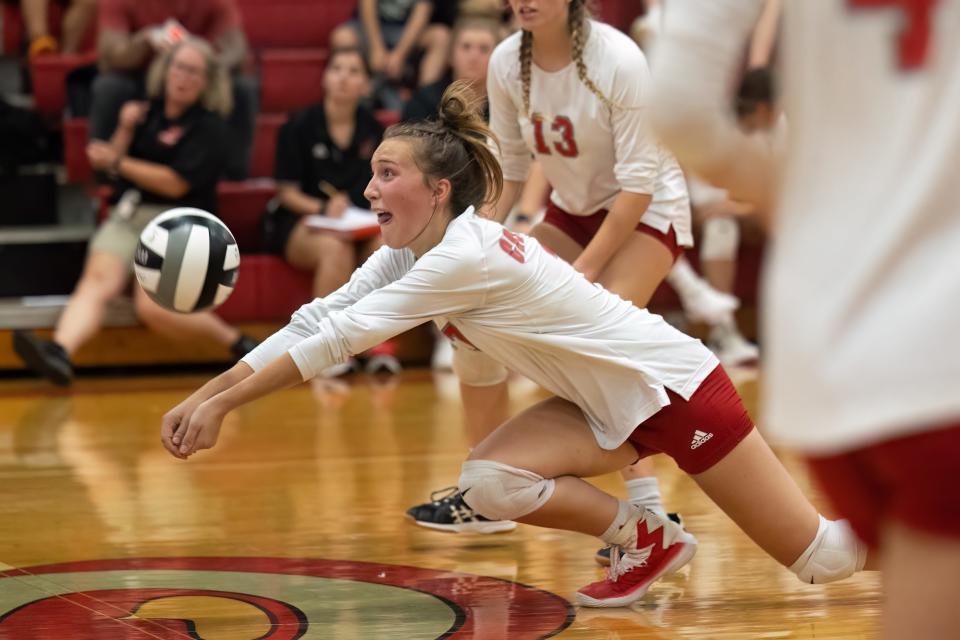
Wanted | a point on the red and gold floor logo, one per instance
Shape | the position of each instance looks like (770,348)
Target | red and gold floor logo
(267,598)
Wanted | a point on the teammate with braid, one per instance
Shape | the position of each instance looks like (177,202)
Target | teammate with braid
(572,92)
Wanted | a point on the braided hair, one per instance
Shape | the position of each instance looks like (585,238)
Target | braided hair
(578,27)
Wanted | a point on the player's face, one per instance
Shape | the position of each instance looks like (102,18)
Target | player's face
(471,54)
(345,78)
(533,14)
(399,194)
(186,77)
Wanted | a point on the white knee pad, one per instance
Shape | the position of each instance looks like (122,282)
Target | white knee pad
(834,554)
(721,238)
(477,368)
(501,492)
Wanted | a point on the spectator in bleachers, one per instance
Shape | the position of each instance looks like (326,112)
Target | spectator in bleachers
(77,19)
(133,32)
(322,168)
(473,42)
(391,31)
(167,152)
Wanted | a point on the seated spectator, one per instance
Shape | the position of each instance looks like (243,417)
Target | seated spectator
(77,19)
(323,167)
(391,31)
(473,42)
(132,32)
(165,153)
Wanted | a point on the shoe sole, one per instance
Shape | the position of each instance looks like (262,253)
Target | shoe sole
(676,563)
(494,526)
(28,350)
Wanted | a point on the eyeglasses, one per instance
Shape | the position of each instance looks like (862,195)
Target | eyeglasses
(188,69)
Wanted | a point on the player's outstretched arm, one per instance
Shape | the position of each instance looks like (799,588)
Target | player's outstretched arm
(180,414)
(202,428)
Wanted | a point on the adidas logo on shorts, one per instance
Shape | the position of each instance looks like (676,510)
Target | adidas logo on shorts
(699,437)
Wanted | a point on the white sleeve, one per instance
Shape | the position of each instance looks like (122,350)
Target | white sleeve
(513,153)
(380,269)
(448,280)
(637,161)
(698,53)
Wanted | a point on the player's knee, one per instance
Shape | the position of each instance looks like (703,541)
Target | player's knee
(501,492)
(835,553)
(476,368)
(721,238)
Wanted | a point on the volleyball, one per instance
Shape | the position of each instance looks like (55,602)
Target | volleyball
(187,260)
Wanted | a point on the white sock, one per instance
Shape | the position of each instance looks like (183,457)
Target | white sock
(684,279)
(623,530)
(645,492)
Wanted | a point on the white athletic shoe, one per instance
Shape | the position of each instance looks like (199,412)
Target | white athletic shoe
(734,350)
(708,305)
(442,358)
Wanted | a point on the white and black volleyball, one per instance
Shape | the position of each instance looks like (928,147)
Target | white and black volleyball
(187,260)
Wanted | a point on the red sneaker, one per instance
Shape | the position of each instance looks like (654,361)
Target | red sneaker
(662,547)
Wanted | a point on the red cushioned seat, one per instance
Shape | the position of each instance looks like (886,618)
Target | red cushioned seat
(240,205)
(265,144)
(268,290)
(291,79)
(49,79)
(286,24)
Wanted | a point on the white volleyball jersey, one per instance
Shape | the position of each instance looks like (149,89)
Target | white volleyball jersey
(526,308)
(588,151)
(862,290)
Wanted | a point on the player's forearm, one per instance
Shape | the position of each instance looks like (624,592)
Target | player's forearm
(623,218)
(279,374)
(232,376)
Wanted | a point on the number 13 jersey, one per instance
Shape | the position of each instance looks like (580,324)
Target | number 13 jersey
(589,151)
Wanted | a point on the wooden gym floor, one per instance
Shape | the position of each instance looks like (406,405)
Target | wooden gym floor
(294,528)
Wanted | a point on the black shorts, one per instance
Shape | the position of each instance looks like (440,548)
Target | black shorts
(275,229)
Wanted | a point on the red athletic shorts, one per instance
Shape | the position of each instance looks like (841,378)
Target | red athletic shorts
(583,228)
(912,479)
(699,433)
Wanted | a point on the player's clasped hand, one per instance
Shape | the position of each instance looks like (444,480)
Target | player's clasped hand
(188,428)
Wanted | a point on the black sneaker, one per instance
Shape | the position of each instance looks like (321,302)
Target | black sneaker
(603,555)
(449,512)
(44,357)
(244,345)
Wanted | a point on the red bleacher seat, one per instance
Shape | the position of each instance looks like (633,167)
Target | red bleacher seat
(49,79)
(288,24)
(268,290)
(265,144)
(75,150)
(240,205)
(291,79)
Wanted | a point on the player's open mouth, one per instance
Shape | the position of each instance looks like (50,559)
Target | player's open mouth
(527,12)
(384,217)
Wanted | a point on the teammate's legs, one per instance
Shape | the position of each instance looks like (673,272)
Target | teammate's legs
(921,580)
(331,259)
(183,326)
